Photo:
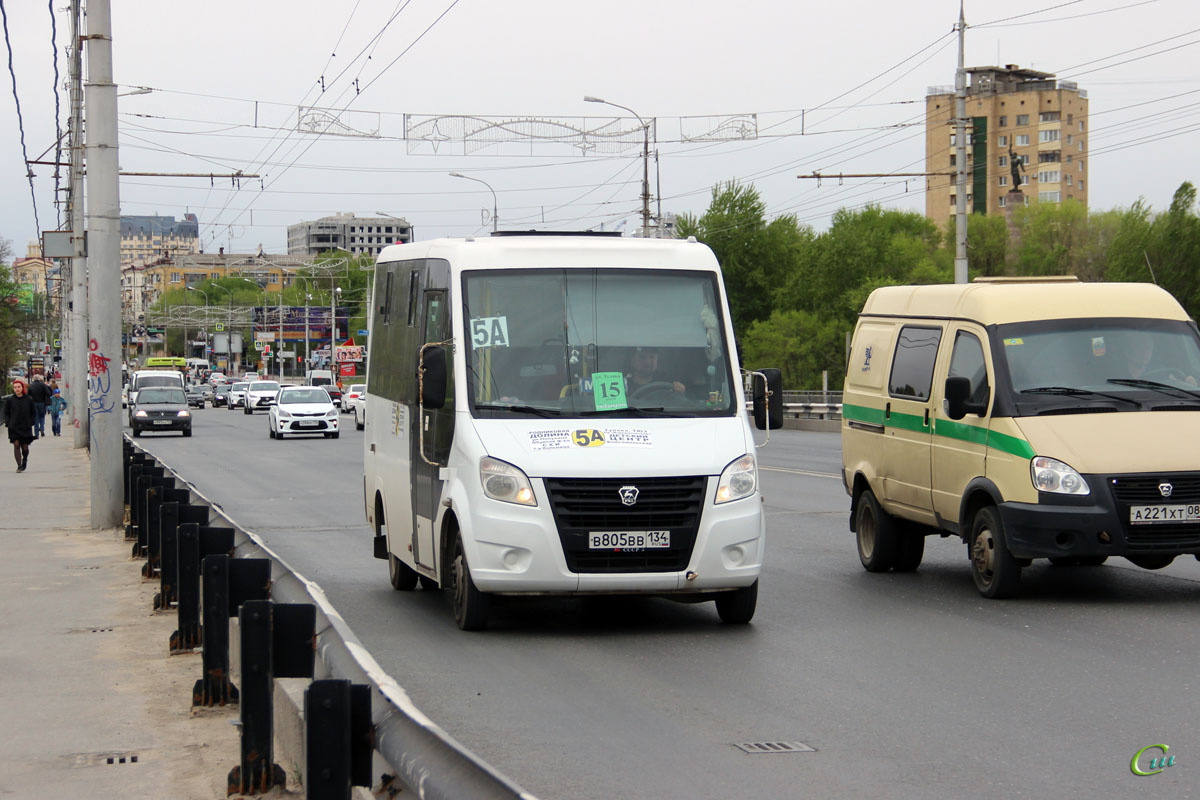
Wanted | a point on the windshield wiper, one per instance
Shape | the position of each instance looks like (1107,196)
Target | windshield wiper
(634,410)
(521,409)
(1161,387)
(1076,392)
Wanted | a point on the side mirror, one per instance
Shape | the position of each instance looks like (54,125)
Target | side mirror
(958,403)
(767,399)
(432,373)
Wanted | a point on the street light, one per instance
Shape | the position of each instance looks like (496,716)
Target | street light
(201,291)
(645,158)
(495,216)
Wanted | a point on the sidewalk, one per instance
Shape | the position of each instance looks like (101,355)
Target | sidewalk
(86,672)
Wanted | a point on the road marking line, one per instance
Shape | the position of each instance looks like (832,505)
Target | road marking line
(831,475)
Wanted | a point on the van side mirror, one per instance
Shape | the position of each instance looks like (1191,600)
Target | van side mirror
(432,372)
(767,398)
(958,403)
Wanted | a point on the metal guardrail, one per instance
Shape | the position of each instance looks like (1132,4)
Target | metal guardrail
(424,757)
(810,405)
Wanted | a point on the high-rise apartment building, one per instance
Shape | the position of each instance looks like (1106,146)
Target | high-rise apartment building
(145,239)
(347,232)
(1013,114)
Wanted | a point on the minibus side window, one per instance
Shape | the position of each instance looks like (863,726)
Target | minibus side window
(912,364)
(967,361)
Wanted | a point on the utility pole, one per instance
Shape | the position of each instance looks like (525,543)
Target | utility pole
(75,346)
(960,157)
(104,271)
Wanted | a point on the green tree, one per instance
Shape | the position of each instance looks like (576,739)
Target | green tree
(756,256)
(801,344)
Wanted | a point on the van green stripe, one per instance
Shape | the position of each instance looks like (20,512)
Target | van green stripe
(963,432)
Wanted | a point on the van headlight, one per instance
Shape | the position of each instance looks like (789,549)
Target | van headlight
(502,481)
(1052,475)
(738,480)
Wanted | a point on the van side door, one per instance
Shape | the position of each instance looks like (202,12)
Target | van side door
(960,446)
(905,449)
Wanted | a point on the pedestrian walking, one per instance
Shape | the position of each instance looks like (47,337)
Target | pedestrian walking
(58,404)
(18,416)
(39,392)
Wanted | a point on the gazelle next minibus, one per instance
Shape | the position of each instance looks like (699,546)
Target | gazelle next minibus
(561,414)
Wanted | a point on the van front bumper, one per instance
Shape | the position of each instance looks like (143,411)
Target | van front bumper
(1096,525)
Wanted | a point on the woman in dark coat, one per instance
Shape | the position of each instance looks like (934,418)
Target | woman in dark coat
(18,415)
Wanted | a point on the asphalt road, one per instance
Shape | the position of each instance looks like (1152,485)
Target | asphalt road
(907,686)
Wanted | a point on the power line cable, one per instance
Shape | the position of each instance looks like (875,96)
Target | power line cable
(20,119)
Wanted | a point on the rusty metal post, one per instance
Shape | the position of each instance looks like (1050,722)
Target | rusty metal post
(136,493)
(147,487)
(215,688)
(154,504)
(257,773)
(195,543)
(171,517)
(338,739)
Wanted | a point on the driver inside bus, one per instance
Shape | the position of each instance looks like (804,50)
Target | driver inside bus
(643,368)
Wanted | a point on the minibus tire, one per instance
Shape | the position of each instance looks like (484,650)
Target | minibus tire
(910,547)
(996,572)
(875,534)
(402,576)
(737,607)
(470,604)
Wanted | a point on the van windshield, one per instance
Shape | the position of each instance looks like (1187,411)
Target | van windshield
(1120,364)
(596,342)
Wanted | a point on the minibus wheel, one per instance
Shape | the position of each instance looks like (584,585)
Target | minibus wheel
(470,604)
(996,572)
(402,576)
(737,607)
(875,532)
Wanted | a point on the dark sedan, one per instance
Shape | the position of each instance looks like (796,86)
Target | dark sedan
(161,409)
(220,395)
(197,394)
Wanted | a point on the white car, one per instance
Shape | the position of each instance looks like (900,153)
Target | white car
(354,401)
(237,394)
(260,394)
(302,409)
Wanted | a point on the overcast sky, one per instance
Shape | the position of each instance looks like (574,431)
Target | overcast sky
(835,87)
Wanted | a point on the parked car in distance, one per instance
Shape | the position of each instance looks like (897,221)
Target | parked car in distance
(217,377)
(251,376)
(259,395)
(237,394)
(161,408)
(302,409)
(198,394)
(220,395)
(355,401)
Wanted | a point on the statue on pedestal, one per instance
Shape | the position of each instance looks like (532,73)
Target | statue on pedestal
(1016,165)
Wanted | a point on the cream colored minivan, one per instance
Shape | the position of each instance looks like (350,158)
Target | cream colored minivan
(1033,418)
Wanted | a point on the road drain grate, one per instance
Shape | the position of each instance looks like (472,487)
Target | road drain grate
(97,629)
(774,747)
(102,759)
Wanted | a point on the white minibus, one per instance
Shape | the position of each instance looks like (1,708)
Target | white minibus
(562,415)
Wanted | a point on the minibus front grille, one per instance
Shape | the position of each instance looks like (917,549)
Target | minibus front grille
(584,505)
(1139,490)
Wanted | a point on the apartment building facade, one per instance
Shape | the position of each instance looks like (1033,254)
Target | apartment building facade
(149,238)
(1014,115)
(343,231)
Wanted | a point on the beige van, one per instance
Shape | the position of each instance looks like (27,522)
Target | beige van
(1032,418)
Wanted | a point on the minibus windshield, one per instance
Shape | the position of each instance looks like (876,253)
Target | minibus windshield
(1127,364)
(595,342)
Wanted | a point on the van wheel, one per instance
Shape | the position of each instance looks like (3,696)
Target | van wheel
(910,547)
(737,607)
(1151,562)
(875,531)
(996,572)
(470,604)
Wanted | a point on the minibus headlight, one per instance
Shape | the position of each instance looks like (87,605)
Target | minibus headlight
(738,480)
(502,481)
(1052,475)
